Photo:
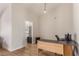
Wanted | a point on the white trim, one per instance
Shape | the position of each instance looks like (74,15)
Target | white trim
(11,50)
(32,34)
(31,24)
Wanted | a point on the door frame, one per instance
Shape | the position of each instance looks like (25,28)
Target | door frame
(31,24)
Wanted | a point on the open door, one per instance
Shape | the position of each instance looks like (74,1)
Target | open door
(29,32)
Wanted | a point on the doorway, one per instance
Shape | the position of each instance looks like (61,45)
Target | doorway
(29,32)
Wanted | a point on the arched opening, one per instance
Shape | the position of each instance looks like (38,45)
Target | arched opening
(29,32)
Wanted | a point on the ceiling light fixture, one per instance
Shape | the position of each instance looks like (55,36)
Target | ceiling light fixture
(45,8)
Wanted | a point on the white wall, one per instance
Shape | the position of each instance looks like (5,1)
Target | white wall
(76,21)
(12,26)
(47,26)
(6,28)
(20,14)
(33,17)
(59,22)
(64,16)
(18,23)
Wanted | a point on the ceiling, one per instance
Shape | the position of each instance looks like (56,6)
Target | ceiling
(33,8)
(3,6)
(38,8)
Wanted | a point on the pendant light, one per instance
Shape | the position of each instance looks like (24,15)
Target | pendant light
(45,8)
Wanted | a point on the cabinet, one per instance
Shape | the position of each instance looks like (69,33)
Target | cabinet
(54,47)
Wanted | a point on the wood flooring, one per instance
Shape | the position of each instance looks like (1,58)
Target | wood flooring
(29,50)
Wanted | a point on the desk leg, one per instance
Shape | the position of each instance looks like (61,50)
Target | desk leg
(39,52)
(68,50)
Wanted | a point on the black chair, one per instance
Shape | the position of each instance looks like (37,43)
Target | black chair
(37,38)
(76,49)
(57,37)
(1,41)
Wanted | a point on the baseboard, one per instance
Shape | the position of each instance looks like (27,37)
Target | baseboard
(11,50)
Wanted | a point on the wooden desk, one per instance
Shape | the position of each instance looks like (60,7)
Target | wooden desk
(58,47)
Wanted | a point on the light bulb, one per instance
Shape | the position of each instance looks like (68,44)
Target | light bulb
(44,11)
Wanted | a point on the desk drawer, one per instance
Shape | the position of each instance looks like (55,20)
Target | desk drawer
(52,47)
